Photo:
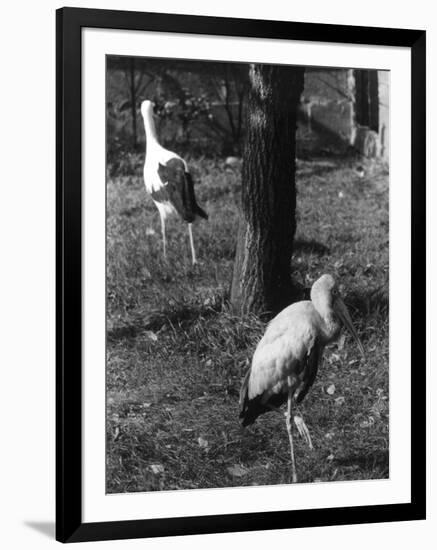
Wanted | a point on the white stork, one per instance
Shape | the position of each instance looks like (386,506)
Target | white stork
(168,180)
(285,362)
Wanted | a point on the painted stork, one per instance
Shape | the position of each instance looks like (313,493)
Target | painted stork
(285,362)
(168,181)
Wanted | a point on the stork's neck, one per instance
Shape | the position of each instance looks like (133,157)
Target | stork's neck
(331,325)
(332,328)
(149,126)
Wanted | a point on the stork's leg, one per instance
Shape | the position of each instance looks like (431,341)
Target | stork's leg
(303,430)
(193,252)
(164,241)
(290,435)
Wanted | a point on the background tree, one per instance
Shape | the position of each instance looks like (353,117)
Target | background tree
(137,79)
(229,84)
(200,105)
(261,280)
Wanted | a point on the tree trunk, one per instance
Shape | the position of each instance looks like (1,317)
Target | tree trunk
(133,96)
(261,280)
(373,101)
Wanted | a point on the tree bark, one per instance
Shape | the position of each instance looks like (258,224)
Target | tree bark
(133,96)
(261,279)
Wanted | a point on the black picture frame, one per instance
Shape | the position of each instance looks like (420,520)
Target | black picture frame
(69,525)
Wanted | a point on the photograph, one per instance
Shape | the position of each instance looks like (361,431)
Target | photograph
(247,274)
(218,291)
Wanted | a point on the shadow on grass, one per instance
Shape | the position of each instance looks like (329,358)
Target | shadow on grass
(320,168)
(378,460)
(132,211)
(369,302)
(126,332)
(155,321)
(310,247)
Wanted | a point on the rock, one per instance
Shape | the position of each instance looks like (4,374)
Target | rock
(157,468)
(233,162)
(367,142)
(203,443)
(237,470)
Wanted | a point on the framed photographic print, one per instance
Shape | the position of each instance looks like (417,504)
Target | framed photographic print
(240,274)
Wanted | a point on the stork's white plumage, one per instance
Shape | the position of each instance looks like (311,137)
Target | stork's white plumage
(168,181)
(285,362)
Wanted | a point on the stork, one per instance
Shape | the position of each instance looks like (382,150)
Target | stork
(168,181)
(285,362)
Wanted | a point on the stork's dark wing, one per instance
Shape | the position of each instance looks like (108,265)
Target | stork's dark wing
(192,198)
(178,189)
(250,409)
(309,373)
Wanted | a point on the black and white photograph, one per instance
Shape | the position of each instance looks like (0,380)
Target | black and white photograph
(247,274)
(217,276)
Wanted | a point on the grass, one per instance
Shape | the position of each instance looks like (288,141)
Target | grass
(176,354)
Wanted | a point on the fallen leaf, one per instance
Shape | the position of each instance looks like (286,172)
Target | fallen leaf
(237,471)
(341,341)
(151,335)
(339,401)
(203,443)
(367,423)
(330,457)
(157,468)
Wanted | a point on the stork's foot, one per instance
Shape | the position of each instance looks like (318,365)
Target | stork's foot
(196,265)
(303,430)
(165,265)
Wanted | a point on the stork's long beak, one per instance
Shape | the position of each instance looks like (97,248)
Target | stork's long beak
(343,313)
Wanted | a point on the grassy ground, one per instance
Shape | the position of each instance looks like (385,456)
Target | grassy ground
(176,354)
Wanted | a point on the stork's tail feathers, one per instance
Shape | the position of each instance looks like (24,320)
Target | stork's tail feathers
(250,409)
(193,209)
(246,415)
